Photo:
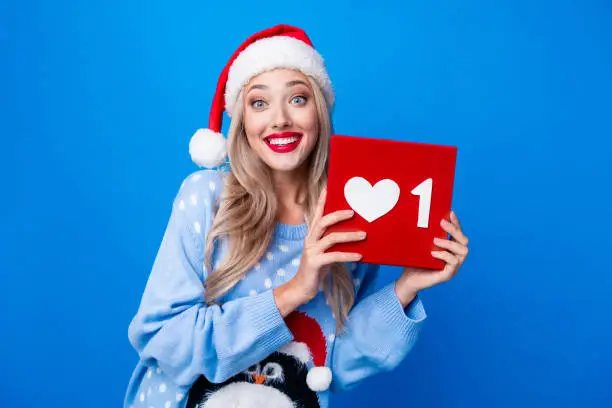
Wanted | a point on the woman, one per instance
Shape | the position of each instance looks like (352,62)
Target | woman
(244,307)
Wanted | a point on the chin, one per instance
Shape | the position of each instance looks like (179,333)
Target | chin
(284,166)
(288,163)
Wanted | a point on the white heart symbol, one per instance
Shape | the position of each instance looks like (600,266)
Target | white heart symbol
(371,202)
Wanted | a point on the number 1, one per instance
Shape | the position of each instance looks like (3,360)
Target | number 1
(423,190)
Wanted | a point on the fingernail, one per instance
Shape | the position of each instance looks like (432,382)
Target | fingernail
(443,222)
(362,234)
(349,212)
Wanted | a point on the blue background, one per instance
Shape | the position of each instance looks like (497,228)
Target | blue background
(99,101)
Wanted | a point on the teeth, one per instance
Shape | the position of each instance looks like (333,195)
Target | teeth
(283,141)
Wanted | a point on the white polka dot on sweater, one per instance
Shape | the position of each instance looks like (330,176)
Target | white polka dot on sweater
(196,177)
(149,373)
(280,272)
(193,199)
(197,228)
(179,396)
(212,186)
(182,204)
(158,370)
(142,397)
(168,404)
(163,387)
(269,256)
(331,337)
(283,248)
(253,292)
(296,262)
(268,283)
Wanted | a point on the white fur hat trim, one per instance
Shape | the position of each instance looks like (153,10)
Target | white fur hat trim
(273,53)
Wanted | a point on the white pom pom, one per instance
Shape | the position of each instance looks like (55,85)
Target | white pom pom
(319,378)
(208,148)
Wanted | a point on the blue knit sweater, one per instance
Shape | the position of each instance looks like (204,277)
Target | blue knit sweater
(180,339)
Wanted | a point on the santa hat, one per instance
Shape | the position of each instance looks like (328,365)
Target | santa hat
(281,46)
(309,344)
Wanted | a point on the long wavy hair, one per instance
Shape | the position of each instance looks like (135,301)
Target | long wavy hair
(247,212)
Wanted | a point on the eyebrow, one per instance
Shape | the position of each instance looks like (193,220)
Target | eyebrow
(296,82)
(289,85)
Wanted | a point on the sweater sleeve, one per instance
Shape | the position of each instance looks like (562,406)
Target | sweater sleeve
(175,327)
(378,335)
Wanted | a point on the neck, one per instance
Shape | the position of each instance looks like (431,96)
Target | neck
(290,191)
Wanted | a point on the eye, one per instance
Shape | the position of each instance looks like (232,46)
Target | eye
(299,100)
(273,371)
(254,369)
(258,103)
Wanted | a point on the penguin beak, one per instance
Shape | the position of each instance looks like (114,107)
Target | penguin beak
(259,378)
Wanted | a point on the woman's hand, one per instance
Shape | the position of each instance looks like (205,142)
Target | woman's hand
(315,262)
(413,280)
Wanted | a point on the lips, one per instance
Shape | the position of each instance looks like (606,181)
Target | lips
(283,142)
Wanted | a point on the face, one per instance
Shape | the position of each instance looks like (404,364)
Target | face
(280,118)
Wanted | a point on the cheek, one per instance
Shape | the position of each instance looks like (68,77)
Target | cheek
(308,121)
(254,126)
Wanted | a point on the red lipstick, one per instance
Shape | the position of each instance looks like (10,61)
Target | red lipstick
(284,142)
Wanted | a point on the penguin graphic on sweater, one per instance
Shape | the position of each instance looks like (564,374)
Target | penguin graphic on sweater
(281,380)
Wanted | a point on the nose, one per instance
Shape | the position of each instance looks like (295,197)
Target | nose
(281,118)
(259,378)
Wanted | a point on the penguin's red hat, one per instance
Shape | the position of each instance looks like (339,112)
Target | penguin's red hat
(309,344)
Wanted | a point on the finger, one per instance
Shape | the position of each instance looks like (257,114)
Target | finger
(338,237)
(330,219)
(450,259)
(454,219)
(452,265)
(318,213)
(320,207)
(454,231)
(333,257)
(455,247)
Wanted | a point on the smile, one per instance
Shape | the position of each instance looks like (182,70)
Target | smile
(283,142)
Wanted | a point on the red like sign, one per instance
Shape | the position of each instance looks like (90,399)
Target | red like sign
(400,191)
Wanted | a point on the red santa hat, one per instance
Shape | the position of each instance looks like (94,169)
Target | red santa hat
(282,46)
(309,344)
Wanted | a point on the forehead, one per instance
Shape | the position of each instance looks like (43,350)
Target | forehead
(277,78)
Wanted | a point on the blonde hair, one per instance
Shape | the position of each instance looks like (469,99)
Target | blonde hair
(247,208)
